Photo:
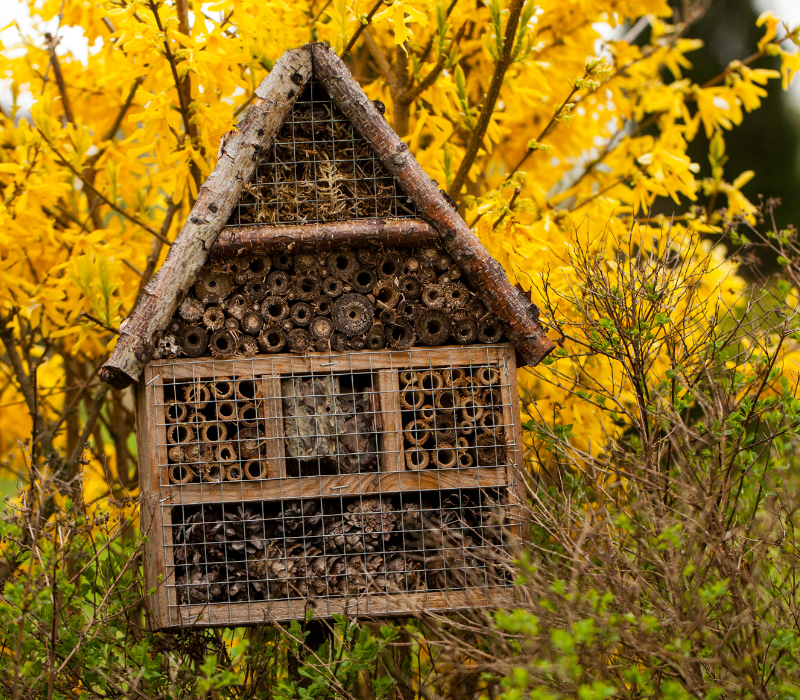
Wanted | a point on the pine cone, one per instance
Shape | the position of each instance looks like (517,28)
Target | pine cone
(365,526)
(401,573)
(243,530)
(299,519)
(348,575)
(198,585)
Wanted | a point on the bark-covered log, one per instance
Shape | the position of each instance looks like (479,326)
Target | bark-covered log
(505,301)
(215,202)
(326,237)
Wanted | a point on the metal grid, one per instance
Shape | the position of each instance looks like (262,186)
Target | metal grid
(305,475)
(319,169)
(322,549)
(281,420)
(453,417)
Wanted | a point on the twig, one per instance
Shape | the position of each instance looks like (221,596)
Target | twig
(476,138)
(545,131)
(92,414)
(98,194)
(319,14)
(62,86)
(510,208)
(93,319)
(361,27)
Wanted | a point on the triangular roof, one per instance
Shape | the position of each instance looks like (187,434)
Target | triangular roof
(238,159)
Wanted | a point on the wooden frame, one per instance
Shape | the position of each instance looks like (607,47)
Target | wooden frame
(158,496)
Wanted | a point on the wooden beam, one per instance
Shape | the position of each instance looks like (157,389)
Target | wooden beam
(189,251)
(280,489)
(510,305)
(313,237)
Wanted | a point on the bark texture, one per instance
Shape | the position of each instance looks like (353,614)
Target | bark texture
(215,201)
(324,237)
(507,303)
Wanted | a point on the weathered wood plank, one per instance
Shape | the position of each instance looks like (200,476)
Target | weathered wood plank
(376,604)
(515,469)
(510,305)
(145,422)
(215,202)
(330,363)
(337,485)
(391,440)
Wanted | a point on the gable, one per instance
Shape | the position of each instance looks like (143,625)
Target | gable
(319,169)
(220,204)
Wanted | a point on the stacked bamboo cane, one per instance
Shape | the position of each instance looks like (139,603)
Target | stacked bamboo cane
(347,300)
(215,431)
(452,418)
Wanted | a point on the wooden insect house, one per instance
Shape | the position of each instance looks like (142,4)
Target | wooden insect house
(327,407)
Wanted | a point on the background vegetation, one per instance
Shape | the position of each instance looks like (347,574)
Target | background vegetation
(600,170)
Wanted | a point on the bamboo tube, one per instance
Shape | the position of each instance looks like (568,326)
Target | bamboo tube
(417,459)
(255,469)
(226,452)
(470,410)
(213,432)
(197,452)
(197,394)
(417,431)
(491,422)
(412,398)
(180,433)
(181,474)
(465,460)
(466,427)
(446,400)
(212,473)
(488,376)
(491,398)
(233,472)
(222,388)
(454,377)
(249,443)
(430,381)
(427,412)
(226,410)
(248,415)
(248,389)
(175,411)
(406,377)
(446,457)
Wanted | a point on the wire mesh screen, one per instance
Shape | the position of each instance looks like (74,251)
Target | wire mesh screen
(295,417)
(453,417)
(286,478)
(336,548)
(319,169)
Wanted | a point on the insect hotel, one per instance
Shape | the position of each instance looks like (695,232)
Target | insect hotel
(327,408)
